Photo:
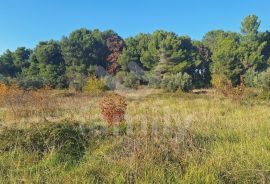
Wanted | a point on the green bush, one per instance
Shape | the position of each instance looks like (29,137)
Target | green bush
(67,139)
(131,81)
(77,83)
(153,80)
(128,79)
(250,78)
(263,80)
(110,82)
(7,80)
(31,82)
(258,80)
(120,77)
(175,82)
(95,86)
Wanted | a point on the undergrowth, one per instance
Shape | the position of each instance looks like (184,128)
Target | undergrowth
(165,138)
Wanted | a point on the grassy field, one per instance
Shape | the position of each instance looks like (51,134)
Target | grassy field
(166,138)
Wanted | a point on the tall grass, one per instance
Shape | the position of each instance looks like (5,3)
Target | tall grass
(166,138)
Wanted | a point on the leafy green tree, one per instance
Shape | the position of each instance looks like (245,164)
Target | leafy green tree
(7,67)
(254,49)
(201,75)
(167,53)
(21,58)
(227,58)
(33,69)
(181,55)
(12,63)
(211,38)
(151,57)
(132,53)
(250,25)
(125,58)
(83,50)
(47,63)
(265,37)
(251,45)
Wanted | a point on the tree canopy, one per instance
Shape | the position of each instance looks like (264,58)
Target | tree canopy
(75,57)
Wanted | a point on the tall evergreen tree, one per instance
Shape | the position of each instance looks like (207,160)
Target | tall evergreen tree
(48,64)
(251,45)
(83,50)
(227,58)
(7,67)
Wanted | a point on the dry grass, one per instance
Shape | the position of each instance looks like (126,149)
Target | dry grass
(166,138)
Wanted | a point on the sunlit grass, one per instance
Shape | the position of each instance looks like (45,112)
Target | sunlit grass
(220,142)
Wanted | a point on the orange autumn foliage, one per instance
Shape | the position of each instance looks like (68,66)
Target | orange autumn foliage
(113,108)
(23,103)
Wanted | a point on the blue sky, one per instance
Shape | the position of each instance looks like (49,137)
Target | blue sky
(26,22)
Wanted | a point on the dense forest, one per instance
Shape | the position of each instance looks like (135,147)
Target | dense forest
(161,59)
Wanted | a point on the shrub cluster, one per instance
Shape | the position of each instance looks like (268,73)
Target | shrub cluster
(95,86)
(129,80)
(171,82)
(258,80)
(176,82)
(263,80)
(113,108)
(222,84)
(225,87)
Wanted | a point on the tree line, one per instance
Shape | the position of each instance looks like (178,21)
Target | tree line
(161,59)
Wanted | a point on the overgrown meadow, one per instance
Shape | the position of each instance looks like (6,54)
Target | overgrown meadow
(198,137)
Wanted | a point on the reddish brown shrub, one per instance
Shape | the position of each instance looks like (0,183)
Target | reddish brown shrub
(113,108)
